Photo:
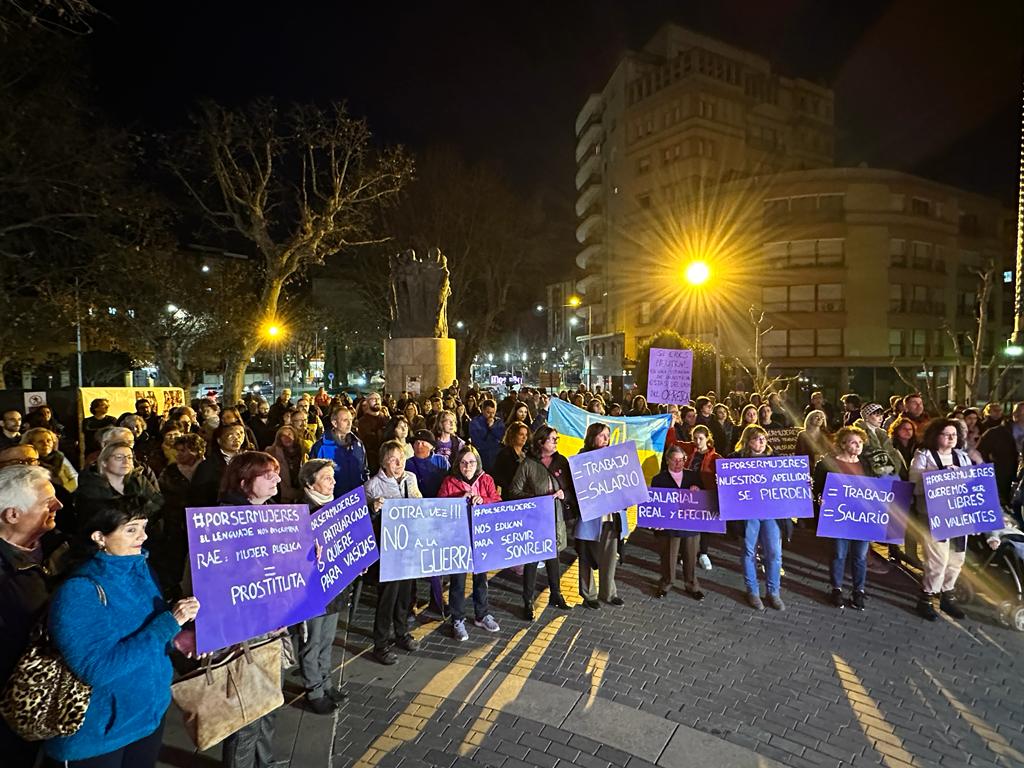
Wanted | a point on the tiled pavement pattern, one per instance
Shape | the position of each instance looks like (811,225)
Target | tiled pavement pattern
(675,683)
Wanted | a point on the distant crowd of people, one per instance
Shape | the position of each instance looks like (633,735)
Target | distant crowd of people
(100,551)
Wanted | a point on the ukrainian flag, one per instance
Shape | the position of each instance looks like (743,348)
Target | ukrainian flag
(648,432)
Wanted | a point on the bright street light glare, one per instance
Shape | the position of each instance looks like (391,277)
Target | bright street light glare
(573,320)
(205,268)
(273,330)
(1014,350)
(697,273)
(459,324)
(171,308)
(575,301)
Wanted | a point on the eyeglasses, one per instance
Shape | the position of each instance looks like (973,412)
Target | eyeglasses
(467,463)
(23,462)
(123,457)
(950,435)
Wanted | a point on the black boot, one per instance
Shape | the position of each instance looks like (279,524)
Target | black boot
(926,606)
(949,607)
(528,610)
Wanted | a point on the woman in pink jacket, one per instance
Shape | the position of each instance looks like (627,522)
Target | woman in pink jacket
(468,480)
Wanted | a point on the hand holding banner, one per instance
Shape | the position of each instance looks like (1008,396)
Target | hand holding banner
(681,509)
(961,501)
(424,537)
(608,480)
(510,533)
(345,534)
(764,487)
(865,508)
(250,569)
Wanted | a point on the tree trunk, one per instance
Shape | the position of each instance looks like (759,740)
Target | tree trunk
(235,364)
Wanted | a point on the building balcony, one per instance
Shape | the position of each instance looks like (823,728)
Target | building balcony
(590,282)
(590,140)
(591,226)
(589,198)
(592,107)
(591,169)
(587,258)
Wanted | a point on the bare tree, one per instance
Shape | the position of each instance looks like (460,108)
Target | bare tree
(971,363)
(759,376)
(931,391)
(297,185)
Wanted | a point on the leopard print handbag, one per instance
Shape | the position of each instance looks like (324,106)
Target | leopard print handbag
(42,698)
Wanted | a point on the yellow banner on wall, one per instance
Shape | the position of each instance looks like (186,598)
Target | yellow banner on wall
(122,399)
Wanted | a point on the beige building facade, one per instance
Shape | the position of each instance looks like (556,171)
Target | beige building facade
(698,151)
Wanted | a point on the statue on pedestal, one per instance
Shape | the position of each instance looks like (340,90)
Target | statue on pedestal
(418,295)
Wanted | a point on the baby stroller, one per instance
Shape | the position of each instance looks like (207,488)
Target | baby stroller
(997,574)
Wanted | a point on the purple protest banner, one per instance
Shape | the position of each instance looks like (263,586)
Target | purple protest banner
(424,537)
(669,374)
(510,533)
(764,488)
(865,508)
(961,501)
(251,570)
(345,534)
(680,509)
(608,479)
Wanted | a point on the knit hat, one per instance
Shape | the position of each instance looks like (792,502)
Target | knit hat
(425,435)
(869,409)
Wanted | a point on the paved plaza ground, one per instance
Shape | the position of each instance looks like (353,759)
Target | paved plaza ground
(674,683)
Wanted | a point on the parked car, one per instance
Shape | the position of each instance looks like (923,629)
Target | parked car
(263,388)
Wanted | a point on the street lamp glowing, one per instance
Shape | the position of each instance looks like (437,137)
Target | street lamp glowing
(697,272)
(171,309)
(459,324)
(574,321)
(1013,350)
(540,307)
(575,301)
(273,330)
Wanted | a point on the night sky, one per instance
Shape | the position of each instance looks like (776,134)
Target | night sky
(927,87)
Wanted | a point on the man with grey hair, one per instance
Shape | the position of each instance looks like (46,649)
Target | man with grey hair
(28,510)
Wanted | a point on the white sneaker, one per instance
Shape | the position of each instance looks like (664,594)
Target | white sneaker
(488,623)
(459,630)
(705,562)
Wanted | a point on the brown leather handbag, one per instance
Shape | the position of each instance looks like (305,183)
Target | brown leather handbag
(220,698)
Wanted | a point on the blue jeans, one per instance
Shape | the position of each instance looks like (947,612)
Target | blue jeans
(767,533)
(457,595)
(858,550)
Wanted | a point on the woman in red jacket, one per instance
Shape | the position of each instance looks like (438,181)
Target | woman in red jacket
(468,479)
(700,465)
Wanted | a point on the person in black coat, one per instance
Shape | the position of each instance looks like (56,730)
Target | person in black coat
(206,481)
(675,475)
(511,454)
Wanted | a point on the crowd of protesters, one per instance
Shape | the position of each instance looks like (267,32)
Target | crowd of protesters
(102,549)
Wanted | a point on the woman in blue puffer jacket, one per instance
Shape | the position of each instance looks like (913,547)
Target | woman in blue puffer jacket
(114,630)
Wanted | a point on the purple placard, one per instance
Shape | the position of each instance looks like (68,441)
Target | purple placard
(961,501)
(510,533)
(669,374)
(764,488)
(864,508)
(608,480)
(252,569)
(680,509)
(424,537)
(344,531)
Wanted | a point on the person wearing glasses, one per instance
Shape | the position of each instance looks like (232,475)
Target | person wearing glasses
(942,446)
(114,478)
(467,479)
(545,472)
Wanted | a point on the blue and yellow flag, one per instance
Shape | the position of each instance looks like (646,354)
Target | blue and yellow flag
(648,432)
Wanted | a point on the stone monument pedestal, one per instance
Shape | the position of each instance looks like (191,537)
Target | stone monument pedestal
(428,362)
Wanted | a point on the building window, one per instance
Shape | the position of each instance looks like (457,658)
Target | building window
(806,253)
(896,342)
(921,255)
(895,297)
(918,342)
(706,109)
(645,312)
(920,207)
(1007,276)
(643,165)
(897,252)
(829,342)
